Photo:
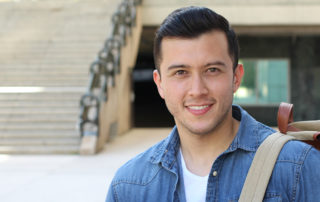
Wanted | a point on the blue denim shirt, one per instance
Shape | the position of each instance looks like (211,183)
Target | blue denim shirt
(155,175)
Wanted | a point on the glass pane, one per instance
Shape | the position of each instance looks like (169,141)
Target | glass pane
(277,81)
(247,91)
(265,82)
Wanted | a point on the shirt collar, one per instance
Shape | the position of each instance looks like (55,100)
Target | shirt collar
(247,138)
(249,135)
(167,150)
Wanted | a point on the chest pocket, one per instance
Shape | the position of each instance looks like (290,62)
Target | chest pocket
(269,197)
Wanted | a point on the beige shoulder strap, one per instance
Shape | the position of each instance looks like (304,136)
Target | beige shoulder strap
(266,156)
(261,168)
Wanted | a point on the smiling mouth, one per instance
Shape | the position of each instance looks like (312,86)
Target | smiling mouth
(198,107)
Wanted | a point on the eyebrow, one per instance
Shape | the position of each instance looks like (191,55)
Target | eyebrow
(215,63)
(176,66)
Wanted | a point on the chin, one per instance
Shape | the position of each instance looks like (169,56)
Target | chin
(205,128)
(201,131)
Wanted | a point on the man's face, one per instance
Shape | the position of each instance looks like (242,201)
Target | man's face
(197,81)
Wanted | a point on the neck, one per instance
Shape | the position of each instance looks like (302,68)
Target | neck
(200,151)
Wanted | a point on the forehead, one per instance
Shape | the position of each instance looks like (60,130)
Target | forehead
(214,36)
(211,45)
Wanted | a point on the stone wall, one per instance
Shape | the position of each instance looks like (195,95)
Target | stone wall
(305,74)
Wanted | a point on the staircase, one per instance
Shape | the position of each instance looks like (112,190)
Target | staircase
(46,48)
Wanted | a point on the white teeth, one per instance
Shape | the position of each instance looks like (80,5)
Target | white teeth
(198,107)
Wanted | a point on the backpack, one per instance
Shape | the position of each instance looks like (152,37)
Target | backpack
(265,158)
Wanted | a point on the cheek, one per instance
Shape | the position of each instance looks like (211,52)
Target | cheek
(174,92)
(171,94)
(222,86)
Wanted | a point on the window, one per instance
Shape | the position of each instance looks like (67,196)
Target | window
(265,82)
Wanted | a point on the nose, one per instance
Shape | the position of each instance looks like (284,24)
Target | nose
(198,86)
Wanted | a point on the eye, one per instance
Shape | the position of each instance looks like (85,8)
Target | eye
(180,72)
(213,69)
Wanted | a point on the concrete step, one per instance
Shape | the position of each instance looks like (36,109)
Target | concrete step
(18,100)
(57,53)
(39,141)
(48,67)
(40,149)
(45,70)
(43,77)
(38,119)
(34,106)
(80,46)
(46,51)
(22,103)
(45,62)
(56,45)
(38,116)
(75,36)
(37,110)
(63,61)
(33,126)
(35,54)
(62,68)
(57,133)
(40,73)
(27,74)
(47,55)
(37,106)
(65,111)
(36,87)
(43,96)
(43,83)
(37,72)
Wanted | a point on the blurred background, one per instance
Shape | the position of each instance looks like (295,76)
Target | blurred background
(77,98)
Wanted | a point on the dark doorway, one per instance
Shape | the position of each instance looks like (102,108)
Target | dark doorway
(149,109)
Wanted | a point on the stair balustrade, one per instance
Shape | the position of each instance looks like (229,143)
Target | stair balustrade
(105,68)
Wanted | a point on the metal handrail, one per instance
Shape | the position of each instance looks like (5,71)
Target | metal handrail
(107,65)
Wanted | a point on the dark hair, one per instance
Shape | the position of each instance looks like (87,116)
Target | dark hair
(191,22)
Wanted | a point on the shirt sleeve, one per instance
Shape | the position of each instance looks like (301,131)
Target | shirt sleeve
(308,181)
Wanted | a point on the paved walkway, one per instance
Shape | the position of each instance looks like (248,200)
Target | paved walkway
(66,178)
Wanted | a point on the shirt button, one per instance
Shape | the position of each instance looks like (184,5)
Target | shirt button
(215,173)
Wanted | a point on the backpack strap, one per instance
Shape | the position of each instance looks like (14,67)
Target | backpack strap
(262,166)
(287,126)
(259,174)
(285,116)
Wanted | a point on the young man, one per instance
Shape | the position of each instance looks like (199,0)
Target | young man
(209,151)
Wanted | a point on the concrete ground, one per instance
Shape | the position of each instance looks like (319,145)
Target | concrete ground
(66,178)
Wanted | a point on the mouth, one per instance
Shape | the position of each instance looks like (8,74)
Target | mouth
(199,109)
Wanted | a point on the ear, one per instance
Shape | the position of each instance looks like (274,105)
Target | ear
(157,80)
(237,78)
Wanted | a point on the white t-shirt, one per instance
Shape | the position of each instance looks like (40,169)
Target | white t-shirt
(195,186)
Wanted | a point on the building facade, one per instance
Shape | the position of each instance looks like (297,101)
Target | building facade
(279,47)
